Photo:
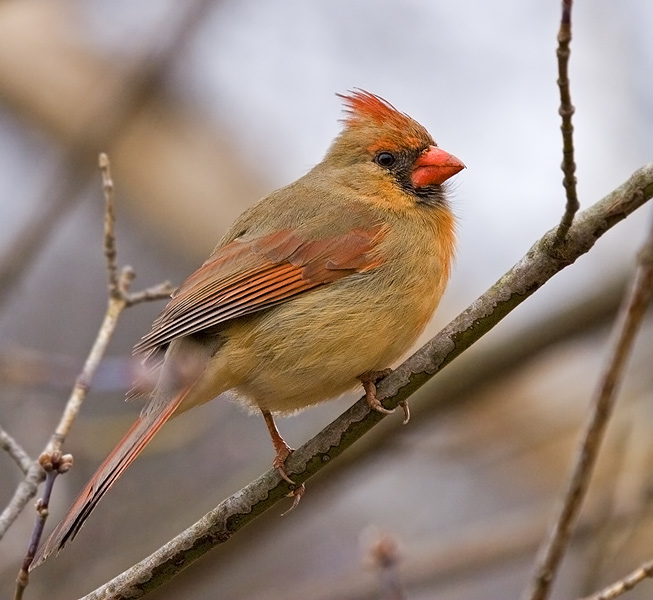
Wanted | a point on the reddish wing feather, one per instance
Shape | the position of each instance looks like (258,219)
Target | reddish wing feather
(248,276)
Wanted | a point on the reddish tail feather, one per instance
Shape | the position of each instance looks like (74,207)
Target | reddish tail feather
(131,445)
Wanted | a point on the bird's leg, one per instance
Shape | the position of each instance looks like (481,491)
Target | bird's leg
(282,452)
(369,380)
(281,449)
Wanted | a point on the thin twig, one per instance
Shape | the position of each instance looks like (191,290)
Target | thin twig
(601,549)
(53,465)
(25,491)
(110,252)
(644,571)
(83,381)
(119,281)
(116,304)
(15,450)
(119,299)
(528,275)
(566,111)
(160,291)
(627,325)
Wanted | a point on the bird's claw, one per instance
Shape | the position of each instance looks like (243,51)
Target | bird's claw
(374,404)
(278,464)
(296,494)
(369,380)
(406,409)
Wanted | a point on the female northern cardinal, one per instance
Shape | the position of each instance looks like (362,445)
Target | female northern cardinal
(316,288)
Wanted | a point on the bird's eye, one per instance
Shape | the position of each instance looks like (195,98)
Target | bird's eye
(385,159)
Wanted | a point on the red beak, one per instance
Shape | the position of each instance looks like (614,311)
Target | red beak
(435,166)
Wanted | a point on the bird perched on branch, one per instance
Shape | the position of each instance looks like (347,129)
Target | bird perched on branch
(314,289)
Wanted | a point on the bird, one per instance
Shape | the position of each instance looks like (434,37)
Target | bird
(315,289)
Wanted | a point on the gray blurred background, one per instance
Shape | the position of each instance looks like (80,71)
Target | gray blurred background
(203,107)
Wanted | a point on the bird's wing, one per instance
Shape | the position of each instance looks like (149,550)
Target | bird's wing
(250,275)
(242,277)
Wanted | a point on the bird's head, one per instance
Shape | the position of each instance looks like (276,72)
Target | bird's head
(389,146)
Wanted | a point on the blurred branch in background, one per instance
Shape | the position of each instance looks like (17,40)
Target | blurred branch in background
(627,326)
(160,151)
(31,369)
(473,549)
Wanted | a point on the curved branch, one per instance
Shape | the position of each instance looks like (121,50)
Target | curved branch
(15,450)
(538,266)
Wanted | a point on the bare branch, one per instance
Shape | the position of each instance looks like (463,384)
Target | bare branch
(119,282)
(110,252)
(644,571)
(25,491)
(83,382)
(626,327)
(566,112)
(53,465)
(119,299)
(161,291)
(15,450)
(528,275)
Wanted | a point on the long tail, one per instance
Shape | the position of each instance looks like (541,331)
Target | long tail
(131,445)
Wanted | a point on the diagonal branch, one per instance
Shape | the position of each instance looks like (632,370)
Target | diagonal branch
(529,274)
(119,299)
(25,491)
(644,571)
(15,450)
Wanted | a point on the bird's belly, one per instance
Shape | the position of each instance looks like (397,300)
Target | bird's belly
(314,347)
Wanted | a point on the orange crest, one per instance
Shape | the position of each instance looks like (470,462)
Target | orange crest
(361,105)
